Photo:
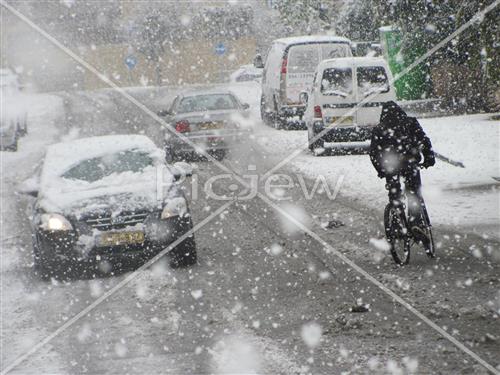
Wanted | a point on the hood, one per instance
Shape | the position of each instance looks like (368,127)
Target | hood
(123,193)
(392,115)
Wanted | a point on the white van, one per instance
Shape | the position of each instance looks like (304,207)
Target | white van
(289,70)
(339,86)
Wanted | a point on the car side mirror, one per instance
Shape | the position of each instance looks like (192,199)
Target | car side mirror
(257,61)
(164,113)
(303,97)
(30,187)
(245,106)
(181,170)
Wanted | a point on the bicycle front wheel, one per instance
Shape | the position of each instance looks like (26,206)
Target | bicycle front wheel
(396,232)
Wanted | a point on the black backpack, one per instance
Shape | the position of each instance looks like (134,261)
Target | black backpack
(393,149)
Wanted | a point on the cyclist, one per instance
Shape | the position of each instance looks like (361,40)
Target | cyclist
(397,145)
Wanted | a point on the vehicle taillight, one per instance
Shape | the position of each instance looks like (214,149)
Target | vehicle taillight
(317,112)
(284,63)
(182,126)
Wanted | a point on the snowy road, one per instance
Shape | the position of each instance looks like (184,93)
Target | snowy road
(261,289)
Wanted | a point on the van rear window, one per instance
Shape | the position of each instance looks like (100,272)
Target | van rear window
(372,79)
(304,58)
(337,81)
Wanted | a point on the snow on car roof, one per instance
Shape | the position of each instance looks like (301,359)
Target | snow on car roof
(212,91)
(312,39)
(62,156)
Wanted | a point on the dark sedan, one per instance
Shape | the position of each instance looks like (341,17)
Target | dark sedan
(106,199)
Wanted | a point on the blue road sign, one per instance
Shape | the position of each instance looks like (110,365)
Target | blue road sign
(220,49)
(131,61)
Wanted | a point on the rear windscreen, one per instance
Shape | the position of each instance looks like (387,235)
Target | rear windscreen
(372,79)
(304,58)
(337,81)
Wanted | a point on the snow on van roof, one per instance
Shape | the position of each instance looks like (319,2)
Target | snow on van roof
(62,156)
(312,39)
(348,61)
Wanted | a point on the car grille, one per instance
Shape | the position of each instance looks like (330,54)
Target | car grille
(116,222)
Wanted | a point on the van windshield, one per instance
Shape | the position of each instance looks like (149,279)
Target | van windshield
(372,79)
(304,58)
(337,81)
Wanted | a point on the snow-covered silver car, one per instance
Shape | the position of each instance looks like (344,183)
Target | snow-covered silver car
(13,123)
(106,198)
(213,120)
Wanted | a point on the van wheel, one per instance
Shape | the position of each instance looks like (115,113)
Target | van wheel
(264,113)
(279,122)
(318,143)
(13,146)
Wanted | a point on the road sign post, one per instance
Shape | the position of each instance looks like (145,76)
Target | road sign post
(220,50)
(130,62)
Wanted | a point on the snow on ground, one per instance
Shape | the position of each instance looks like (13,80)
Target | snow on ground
(45,112)
(464,198)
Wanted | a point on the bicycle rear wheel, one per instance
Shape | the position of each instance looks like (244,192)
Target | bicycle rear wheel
(396,233)
(428,243)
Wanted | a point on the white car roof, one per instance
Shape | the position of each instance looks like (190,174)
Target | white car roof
(352,61)
(312,39)
(62,156)
(213,91)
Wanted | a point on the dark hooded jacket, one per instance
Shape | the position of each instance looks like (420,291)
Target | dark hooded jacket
(398,142)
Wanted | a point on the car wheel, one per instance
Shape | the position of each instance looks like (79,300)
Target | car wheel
(219,154)
(184,254)
(318,143)
(279,122)
(13,146)
(264,113)
(170,155)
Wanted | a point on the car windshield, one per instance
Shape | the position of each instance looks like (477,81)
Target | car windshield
(213,102)
(372,79)
(95,169)
(337,81)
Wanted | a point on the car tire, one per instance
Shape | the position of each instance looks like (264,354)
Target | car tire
(13,146)
(279,122)
(318,143)
(219,155)
(170,155)
(264,113)
(184,254)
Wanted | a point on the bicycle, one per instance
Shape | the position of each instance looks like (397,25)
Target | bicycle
(399,235)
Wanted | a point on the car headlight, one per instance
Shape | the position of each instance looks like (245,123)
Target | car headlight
(55,222)
(174,207)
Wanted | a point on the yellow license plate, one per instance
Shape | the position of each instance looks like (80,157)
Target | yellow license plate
(211,125)
(341,120)
(121,238)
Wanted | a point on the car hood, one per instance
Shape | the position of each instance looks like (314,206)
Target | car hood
(113,194)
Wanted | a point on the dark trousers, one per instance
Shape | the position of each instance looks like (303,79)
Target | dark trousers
(412,189)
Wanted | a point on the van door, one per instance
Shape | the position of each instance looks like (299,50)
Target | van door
(337,96)
(298,71)
(372,80)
